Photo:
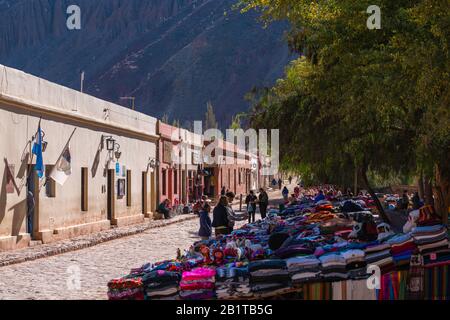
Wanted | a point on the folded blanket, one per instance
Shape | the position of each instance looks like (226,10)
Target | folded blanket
(431,239)
(197,295)
(267,279)
(305,277)
(170,291)
(266,264)
(292,251)
(161,276)
(353,255)
(126,294)
(199,274)
(376,248)
(264,287)
(332,258)
(376,256)
(200,285)
(358,274)
(124,283)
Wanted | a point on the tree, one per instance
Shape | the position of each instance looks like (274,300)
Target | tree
(210,118)
(236,121)
(375,100)
(165,118)
(176,123)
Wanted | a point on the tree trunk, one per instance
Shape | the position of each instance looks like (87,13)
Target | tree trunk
(428,189)
(421,187)
(374,196)
(442,192)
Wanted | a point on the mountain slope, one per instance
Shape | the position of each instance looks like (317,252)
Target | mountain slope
(172,55)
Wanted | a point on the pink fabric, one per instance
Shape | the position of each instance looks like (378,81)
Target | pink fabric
(201,285)
(198,274)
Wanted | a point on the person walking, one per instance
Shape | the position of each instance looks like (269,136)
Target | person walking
(164,209)
(250,201)
(404,202)
(263,200)
(417,203)
(285,193)
(297,192)
(290,179)
(319,197)
(220,218)
(280,182)
(232,215)
(205,230)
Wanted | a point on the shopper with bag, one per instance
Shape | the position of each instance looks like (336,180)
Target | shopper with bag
(263,200)
(250,201)
(220,217)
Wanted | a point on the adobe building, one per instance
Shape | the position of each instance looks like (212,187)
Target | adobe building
(193,166)
(226,171)
(112,176)
(170,169)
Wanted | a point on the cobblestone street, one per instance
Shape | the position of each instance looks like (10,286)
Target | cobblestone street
(50,278)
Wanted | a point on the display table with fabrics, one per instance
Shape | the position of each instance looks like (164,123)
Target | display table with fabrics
(310,251)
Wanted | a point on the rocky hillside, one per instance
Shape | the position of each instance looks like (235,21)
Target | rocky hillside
(172,55)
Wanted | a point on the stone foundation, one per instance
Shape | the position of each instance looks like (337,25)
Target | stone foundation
(126,221)
(80,230)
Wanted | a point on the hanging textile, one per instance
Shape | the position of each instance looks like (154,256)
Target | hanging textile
(415,290)
(393,286)
(317,291)
(353,290)
(437,283)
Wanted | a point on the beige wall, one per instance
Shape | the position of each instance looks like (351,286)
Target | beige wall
(25,99)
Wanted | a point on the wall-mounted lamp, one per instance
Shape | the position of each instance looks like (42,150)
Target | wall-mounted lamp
(153,163)
(110,143)
(117,153)
(112,146)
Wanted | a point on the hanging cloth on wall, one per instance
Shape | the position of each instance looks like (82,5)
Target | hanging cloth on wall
(37,150)
(63,167)
(416,278)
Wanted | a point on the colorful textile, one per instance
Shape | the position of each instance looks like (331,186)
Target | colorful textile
(437,283)
(125,283)
(393,286)
(318,291)
(353,290)
(198,274)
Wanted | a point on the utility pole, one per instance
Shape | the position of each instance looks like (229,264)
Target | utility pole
(82,81)
(132,101)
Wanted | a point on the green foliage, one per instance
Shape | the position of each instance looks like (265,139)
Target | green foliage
(374,99)
(210,118)
(165,118)
(176,123)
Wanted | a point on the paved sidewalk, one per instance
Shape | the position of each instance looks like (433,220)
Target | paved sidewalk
(54,277)
(82,242)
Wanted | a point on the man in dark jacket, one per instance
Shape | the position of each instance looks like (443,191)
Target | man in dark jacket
(417,203)
(263,199)
(250,201)
(205,222)
(164,209)
(220,217)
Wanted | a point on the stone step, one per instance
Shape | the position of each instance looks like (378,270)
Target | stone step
(34,243)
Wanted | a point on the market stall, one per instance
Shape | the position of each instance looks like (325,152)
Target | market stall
(307,250)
